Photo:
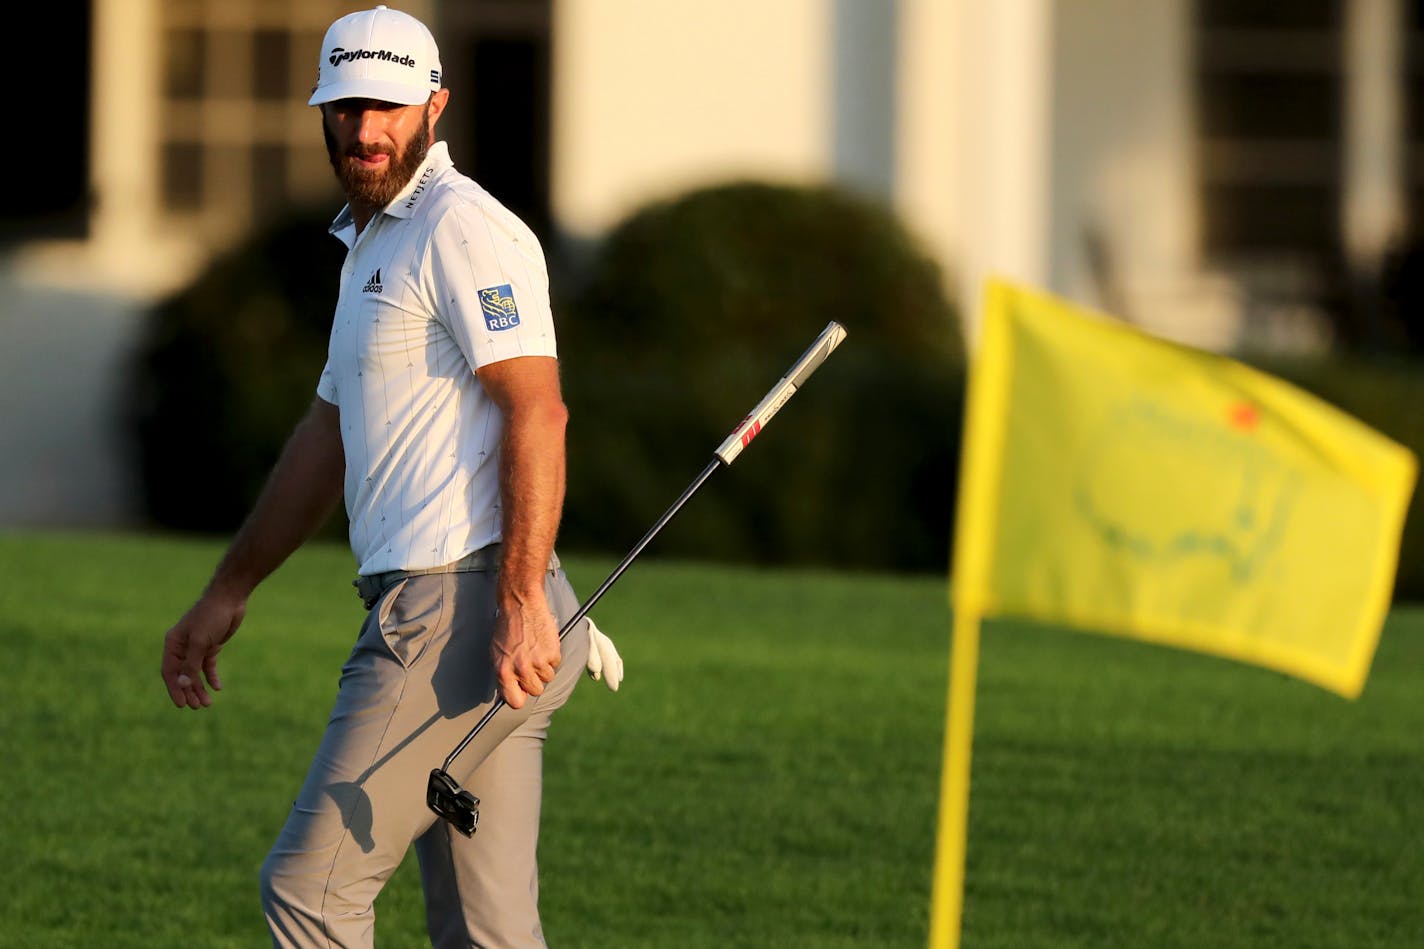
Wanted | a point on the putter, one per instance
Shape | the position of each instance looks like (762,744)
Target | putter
(443,794)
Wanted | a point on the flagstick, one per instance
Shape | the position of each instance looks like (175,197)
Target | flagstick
(947,905)
(976,513)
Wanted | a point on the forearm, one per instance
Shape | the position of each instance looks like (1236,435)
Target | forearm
(299,495)
(532,472)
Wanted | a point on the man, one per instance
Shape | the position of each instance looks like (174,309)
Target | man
(439,416)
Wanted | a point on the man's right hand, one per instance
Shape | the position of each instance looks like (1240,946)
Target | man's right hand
(190,650)
(525,649)
(299,494)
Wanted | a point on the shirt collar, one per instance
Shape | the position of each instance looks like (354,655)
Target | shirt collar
(403,205)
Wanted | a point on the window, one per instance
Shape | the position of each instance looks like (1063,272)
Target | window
(1270,126)
(1414,116)
(240,146)
(510,115)
(57,205)
(497,66)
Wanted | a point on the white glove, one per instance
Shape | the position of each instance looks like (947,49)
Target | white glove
(603,660)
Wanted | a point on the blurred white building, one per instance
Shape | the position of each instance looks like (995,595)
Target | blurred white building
(1212,170)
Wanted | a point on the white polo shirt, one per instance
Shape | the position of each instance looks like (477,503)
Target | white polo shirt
(443,281)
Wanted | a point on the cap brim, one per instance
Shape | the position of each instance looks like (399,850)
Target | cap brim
(398,92)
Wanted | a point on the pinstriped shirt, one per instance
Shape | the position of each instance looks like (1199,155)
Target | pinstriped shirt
(443,281)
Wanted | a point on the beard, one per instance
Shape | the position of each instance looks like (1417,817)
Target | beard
(375,188)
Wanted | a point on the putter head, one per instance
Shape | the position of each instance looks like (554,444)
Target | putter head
(453,803)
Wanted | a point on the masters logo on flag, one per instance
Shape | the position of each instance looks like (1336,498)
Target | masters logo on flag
(1166,454)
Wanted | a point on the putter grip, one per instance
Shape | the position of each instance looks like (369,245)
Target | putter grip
(781,393)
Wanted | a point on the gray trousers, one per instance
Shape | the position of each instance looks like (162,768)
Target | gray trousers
(418,679)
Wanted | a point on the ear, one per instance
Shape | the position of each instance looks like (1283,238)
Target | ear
(435,107)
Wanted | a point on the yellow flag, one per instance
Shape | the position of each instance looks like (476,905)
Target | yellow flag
(1119,483)
(1122,484)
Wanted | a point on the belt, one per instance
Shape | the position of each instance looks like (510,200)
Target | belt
(370,586)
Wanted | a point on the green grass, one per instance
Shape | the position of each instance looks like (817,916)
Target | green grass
(767,775)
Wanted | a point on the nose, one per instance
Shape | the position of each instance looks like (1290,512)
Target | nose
(370,125)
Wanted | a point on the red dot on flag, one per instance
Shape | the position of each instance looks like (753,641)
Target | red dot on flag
(1245,416)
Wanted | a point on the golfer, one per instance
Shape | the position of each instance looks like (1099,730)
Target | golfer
(439,416)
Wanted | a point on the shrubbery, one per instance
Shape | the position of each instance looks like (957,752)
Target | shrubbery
(226,368)
(692,309)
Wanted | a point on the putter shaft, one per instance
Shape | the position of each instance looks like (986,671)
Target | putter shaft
(588,604)
(726,453)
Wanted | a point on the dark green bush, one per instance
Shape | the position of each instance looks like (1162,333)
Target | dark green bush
(226,367)
(691,310)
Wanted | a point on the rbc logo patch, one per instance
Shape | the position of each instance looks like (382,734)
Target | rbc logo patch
(498,304)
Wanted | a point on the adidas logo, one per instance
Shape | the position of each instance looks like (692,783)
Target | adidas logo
(374,284)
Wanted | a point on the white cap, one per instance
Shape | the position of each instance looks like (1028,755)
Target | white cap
(377,54)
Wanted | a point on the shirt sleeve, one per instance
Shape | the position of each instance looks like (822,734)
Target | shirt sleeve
(491,285)
(326,385)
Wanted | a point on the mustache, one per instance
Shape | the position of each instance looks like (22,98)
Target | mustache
(368,151)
